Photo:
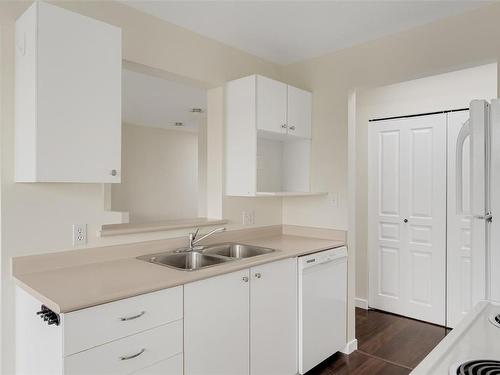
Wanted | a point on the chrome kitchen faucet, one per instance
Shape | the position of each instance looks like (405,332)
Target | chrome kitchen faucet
(193,240)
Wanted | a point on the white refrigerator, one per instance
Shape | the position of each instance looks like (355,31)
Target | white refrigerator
(483,131)
(475,342)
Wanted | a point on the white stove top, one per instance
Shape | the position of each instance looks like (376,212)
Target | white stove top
(475,338)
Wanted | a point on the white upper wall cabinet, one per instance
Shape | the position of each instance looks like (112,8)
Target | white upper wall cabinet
(268,131)
(281,108)
(68,97)
(299,112)
(271,105)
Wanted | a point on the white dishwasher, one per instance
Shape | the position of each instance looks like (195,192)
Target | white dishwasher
(322,306)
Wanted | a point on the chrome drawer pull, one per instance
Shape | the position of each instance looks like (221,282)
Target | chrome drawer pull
(133,355)
(133,317)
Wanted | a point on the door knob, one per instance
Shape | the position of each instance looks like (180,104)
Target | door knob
(258,275)
(245,279)
(405,220)
(284,126)
(292,127)
(113,172)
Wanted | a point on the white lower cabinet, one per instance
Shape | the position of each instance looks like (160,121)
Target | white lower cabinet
(139,335)
(170,366)
(243,323)
(273,318)
(216,326)
(122,318)
(129,354)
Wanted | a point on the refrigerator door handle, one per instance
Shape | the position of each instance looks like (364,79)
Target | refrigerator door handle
(465,132)
(488,217)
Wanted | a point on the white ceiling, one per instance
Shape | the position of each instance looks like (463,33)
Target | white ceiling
(151,101)
(290,31)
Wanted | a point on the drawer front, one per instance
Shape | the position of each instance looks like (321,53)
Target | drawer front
(98,325)
(129,354)
(171,366)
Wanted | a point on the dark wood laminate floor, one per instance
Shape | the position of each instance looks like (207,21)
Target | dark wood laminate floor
(387,345)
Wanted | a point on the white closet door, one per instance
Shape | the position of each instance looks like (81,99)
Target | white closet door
(407,216)
(459,281)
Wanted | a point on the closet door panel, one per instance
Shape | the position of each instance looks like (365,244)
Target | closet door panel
(407,216)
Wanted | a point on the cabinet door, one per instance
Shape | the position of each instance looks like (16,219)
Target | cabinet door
(72,128)
(273,318)
(271,105)
(79,97)
(216,325)
(299,112)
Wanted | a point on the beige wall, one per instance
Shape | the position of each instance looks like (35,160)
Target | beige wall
(436,93)
(160,174)
(457,42)
(37,218)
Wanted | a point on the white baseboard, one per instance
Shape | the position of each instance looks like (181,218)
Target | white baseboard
(361,303)
(350,347)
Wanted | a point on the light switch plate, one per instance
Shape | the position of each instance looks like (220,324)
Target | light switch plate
(334,199)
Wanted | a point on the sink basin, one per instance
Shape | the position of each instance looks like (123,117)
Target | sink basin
(205,256)
(189,261)
(236,250)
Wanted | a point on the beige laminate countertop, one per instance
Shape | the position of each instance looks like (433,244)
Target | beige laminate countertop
(77,287)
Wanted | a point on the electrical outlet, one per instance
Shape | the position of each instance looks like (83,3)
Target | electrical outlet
(248,217)
(244,217)
(79,234)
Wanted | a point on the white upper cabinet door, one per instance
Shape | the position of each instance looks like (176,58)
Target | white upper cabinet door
(271,105)
(216,325)
(68,97)
(299,112)
(273,318)
(240,137)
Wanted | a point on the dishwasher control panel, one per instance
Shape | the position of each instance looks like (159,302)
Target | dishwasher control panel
(322,257)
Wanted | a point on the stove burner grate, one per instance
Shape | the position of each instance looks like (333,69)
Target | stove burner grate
(479,367)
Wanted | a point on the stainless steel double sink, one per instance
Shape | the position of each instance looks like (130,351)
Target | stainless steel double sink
(205,256)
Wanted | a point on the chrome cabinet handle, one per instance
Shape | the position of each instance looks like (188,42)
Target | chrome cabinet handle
(124,319)
(113,172)
(292,127)
(405,220)
(284,126)
(245,279)
(258,275)
(126,358)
